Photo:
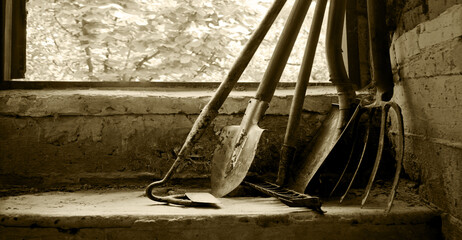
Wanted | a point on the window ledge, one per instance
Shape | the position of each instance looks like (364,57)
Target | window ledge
(127,214)
(106,102)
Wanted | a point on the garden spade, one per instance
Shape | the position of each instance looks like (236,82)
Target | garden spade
(210,111)
(339,119)
(238,144)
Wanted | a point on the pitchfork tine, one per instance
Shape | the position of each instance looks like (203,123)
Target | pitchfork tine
(399,154)
(355,140)
(379,154)
(366,139)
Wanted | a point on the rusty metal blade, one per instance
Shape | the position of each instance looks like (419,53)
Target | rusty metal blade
(325,141)
(202,197)
(232,159)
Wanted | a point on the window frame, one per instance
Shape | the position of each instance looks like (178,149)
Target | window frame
(15,59)
(13,67)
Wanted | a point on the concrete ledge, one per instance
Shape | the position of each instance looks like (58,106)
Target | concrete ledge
(77,102)
(130,215)
(52,138)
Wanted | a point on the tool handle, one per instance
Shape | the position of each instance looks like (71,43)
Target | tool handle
(245,56)
(304,75)
(379,45)
(288,149)
(287,154)
(337,71)
(282,51)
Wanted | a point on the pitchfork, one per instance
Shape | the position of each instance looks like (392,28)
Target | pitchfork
(383,79)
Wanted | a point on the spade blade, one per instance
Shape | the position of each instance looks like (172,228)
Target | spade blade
(233,157)
(202,197)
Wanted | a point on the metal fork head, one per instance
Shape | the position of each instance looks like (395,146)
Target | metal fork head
(399,152)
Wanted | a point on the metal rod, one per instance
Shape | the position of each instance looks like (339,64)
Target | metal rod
(366,140)
(352,151)
(378,157)
(399,154)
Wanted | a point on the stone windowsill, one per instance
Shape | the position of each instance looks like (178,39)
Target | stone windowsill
(127,214)
(104,102)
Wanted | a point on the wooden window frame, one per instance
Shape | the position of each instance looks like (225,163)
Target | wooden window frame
(13,65)
(13,53)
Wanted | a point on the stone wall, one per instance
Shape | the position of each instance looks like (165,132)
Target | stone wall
(426,54)
(53,138)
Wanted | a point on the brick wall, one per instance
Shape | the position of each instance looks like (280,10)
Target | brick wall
(426,54)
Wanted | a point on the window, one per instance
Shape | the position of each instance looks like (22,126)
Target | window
(153,40)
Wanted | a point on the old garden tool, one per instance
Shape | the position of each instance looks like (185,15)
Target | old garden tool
(210,111)
(235,154)
(337,121)
(193,199)
(384,83)
(287,196)
(384,108)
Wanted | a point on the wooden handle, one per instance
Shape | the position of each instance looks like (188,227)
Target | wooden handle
(378,41)
(246,55)
(304,75)
(290,139)
(282,51)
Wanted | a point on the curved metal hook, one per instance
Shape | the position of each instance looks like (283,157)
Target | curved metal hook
(179,199)
(161,182)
